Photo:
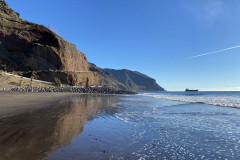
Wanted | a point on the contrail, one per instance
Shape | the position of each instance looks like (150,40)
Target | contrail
(213,52)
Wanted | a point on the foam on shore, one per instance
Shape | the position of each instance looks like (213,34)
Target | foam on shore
(225,101)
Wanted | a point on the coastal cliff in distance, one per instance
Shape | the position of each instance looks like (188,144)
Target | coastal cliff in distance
(106,79)
(134,80)
(26,47)
(126,79)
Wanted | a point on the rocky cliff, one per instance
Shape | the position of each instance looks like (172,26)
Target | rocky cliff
(26,46)
(125,79)
(106,79)
(134,80)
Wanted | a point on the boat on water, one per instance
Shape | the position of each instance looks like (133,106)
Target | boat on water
(191,90)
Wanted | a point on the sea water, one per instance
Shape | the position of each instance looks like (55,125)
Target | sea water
(224,98)
(152,125)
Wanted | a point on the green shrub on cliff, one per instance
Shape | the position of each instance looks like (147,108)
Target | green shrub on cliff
(57,82)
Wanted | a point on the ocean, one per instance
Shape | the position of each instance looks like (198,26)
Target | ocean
(220,98)
(150,125)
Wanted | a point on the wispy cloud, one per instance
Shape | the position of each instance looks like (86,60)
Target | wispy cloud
(213,52)
(206,11)
(212,9)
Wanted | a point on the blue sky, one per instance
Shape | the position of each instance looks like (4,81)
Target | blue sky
(155,37)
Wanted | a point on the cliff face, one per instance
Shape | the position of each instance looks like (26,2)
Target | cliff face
(125,79)
(106,79)
(26,46)
(135,81)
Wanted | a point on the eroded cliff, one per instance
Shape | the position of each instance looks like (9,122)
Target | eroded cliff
(106,79)
(135,81)
(125,79)
(26,46)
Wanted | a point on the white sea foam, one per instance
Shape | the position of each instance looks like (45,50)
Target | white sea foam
(226,101)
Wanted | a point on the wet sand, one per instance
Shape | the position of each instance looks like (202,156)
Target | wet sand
(40,133)
(12,103)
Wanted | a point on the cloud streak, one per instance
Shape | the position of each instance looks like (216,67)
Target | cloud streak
(214,52)
(213,9)
(204,11)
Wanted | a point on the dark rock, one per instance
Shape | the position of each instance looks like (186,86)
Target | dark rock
(71,90)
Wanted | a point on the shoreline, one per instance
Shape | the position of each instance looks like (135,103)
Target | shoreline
(17,102)
(100,90)
(24,99)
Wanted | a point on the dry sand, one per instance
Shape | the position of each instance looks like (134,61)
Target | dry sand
(11,81)
(14,103)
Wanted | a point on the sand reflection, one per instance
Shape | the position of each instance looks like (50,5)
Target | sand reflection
(34,135)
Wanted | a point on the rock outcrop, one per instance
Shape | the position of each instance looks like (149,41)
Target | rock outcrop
(135,81)
(26,46)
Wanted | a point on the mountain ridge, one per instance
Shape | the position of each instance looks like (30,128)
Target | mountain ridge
(114,78)
(135,80)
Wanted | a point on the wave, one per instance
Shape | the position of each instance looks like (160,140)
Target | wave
(225,101)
